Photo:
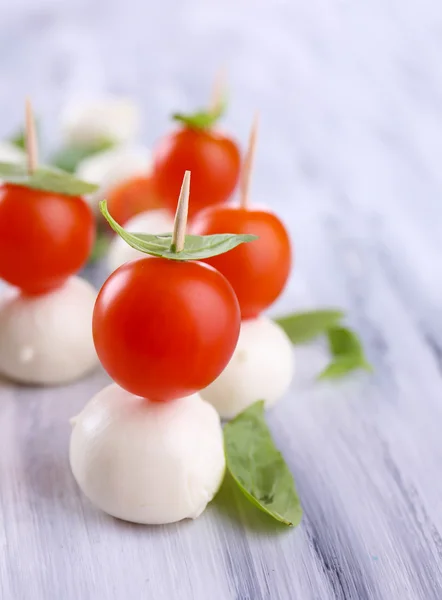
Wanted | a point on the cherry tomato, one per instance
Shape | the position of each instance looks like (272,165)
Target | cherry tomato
(258,271)
(44,237)
(165,329)
(131,198)
(213,159)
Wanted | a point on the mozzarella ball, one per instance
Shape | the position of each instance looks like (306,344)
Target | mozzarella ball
(47,339)
(147,462)
(9,153)
(86,123)
(152,221)
(111,167)
(261,368)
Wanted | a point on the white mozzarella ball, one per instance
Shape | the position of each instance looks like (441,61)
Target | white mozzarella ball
(85,123)
(110,168)
(261,368)
(152,221)
(147,462)
(9,153)
(47,339)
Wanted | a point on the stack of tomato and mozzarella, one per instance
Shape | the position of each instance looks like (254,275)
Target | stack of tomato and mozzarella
(185,341)
(180,337)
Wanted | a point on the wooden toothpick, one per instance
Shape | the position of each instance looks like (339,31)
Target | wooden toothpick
(218,90)
(31,138)
(244,184)
(180,223)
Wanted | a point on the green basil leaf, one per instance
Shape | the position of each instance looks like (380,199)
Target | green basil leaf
(259,468)
(347,351)
(305,326)
(203,119)
(343,365)
(69,158)
(19,140)
(45,178)
(196,247)
(343,341)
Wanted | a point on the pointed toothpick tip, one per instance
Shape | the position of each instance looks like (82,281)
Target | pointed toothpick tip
(248,162)
(30,137)
(180,223)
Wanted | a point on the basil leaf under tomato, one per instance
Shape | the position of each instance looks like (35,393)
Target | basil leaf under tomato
(347,354)
(258,468)
(345,347)
(303,327)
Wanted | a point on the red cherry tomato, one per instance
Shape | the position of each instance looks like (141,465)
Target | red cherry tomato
(213,159)
(165,329)
(131,198)
(44,237)
(258,271)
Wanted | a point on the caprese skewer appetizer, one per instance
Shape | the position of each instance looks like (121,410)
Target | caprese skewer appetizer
(147,448)
(262,365)
(147,204)
(46,234)
(212,156)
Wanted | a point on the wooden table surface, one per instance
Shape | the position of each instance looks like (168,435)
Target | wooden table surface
(350,96)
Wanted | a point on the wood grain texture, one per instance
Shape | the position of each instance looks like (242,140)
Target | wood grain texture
(351,138)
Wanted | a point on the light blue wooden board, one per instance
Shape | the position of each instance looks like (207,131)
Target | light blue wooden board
(350,96)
